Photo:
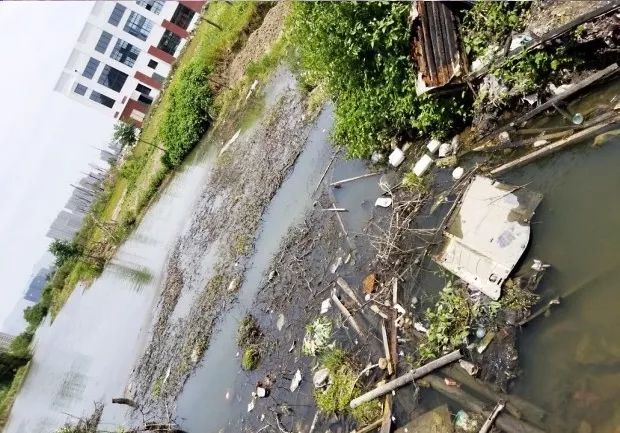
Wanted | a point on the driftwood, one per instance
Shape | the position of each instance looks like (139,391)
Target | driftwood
(558,145)
(505,422)
(325,172)
(406,378)
(370,427)
(386,422)
(351,179)
(540,311)
(348,290)
(386,349)
(488,423)
(347,314)
(515,405)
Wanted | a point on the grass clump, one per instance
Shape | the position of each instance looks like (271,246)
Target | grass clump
(448,323)
(361,52)
(413,182)
(342,388)
(250,358)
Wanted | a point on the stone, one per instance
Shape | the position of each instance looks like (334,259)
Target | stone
(469,367)
(377,157)
(433,145)
(261,392)
(319,379)
(437,420)
(280,322)
(422,165)
(465,422)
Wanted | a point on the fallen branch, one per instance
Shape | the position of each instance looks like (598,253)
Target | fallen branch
(386,422)
(351,179)
(488,423)
(348,290)
(540,311)
(554,147)
(370,427)
(325,171)
(505,422)
(335,209)
(347,314)
(386,349)
(407,378)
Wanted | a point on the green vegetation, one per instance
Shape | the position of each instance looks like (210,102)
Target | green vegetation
(448,323)
(360,52)
(156,387)
(342,388)
(250,358)
(413,182)
(517,299)
(8,392)
(318,336)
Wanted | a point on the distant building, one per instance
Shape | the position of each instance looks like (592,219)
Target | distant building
(35,288)
(5,340)
(124,53)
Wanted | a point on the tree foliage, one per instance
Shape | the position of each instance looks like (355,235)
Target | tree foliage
(361,51)
(64,251)
(35,313)
(9,363)
(187,117)
(125,134)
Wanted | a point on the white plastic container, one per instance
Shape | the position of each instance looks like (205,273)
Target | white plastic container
(422,165)
(433,145)
(444,149)
(458,173)
(396,157)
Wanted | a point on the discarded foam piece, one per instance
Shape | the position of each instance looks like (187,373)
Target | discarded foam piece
(383,202)
(457,173)
(396,157)
(422,165)
(433,145)
(444,149)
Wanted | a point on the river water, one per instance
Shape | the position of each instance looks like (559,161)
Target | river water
(570,360)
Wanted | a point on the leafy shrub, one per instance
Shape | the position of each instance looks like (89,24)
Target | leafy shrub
(20,346)
(187,117)
(361,52)
(35,313)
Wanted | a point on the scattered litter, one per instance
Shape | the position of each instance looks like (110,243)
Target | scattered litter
(422,165)
(531,99)
(414,300)
(319,379)
(251,405)
(456,142)
(577,119)
(400,309)
(318,335)
(296,381)
(444,149)
(450,382)
(228,395)
(558,90)
(538,265)
(418,326)
(519,41)
(437,420)
(272,275)
(389,181)
(458,173)
(368,284)
(433,145)
(347,259)
(252,88)
(477,65)
(233,285)
(465,423)
(229,142)
(326,305)
(290,350)
(261,392)
(539,143)
(504,137)
(484,343)
(280,322)
(396,157)
(469,367)
(335,265)
(377,157)
(480,332)
(383,202)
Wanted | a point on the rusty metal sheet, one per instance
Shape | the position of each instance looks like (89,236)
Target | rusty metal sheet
(489,233)
(435,46)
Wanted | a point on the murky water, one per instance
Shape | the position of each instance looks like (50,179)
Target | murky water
(571,359)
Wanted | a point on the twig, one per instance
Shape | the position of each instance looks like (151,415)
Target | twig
(351,179)
(325,172)
(277,416)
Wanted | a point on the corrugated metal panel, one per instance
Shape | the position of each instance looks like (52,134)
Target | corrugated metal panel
(435,46)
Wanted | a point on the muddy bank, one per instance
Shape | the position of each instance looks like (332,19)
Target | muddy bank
(207,265)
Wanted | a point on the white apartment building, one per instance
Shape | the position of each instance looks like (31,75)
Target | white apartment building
(124,53)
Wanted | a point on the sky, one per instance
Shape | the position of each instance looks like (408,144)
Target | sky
(46,139)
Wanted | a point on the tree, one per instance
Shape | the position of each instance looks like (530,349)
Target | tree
(9,364)
(34,314)
(125,134)
(64,251)
(20,346)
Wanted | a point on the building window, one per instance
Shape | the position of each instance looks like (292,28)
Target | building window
(143,89)
(125,53)
(151,5)
(159,78)
(80,89)
(145,99)
(169,42)
(102,99)
(152,64)
(138,26)
(104,41)
(91,68)
(112,78)
(182,16)
(117,14)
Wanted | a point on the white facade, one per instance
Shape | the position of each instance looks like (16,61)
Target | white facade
(124,53)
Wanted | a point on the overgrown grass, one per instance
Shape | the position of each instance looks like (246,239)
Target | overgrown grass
(7,396)
(250,358)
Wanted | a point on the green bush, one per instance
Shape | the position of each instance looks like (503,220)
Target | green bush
(34,314)
(361,52)
(187,117)
(20,346)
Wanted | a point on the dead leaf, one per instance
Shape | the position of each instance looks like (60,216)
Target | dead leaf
(368,285)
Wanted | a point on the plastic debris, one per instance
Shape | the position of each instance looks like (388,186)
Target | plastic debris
(383,202)
(318,335)
(418,326)
(480,332)
(531,99)
(444,149)
(484,343)
(396,157)
(538,265)
(450,382)
(251,405)
(433,145)
(422,165)
(456,142)
(469,367)
(296,381)
(261,392)
(458,173)
(326,305)
(465,423)
(519,41)
(377,157)
(335,265)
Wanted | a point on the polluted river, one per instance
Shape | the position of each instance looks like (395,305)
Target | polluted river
(568,358)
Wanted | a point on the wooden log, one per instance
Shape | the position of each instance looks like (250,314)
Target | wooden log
(406,378)
(348,290)
(347,314)
(386,349)
(540,311)
(351,179)
(515,405)
(370,427)
(488,423)
(505,422)
(558,145)
(386,422)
